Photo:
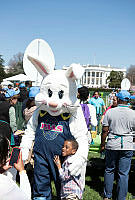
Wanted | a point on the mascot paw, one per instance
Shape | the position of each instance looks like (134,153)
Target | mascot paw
(75,167)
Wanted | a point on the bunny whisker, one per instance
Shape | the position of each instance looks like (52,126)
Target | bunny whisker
(43,102)
(65,105)
(73,106)
(71,113)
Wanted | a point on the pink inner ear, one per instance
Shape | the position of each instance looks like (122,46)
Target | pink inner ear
(40,66)
(71,75)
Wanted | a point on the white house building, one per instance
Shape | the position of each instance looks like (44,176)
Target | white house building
(96,75)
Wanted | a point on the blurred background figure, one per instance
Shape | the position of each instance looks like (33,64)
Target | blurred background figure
(89,110)
(30,106)
(99,104)
(10,87)
(8,113)
(19,115)
(23,92)
(114,104)
(110,98)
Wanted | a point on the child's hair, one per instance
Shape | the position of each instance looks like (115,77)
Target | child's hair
(30,103)
(3,149)
(74,143)
(83,93)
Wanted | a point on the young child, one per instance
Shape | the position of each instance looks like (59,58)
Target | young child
(71,186)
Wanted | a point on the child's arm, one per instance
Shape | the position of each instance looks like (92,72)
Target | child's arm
(29,135)
(57,161)
(63,173)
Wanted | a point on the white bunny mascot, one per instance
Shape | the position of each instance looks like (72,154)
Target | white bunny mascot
(58,117)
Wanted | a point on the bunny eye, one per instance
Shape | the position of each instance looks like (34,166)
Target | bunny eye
(50,92)
(61,93)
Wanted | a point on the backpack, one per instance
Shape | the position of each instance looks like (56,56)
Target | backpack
(86,114)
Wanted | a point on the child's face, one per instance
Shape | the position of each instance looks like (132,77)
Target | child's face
(14,101)
(67,149)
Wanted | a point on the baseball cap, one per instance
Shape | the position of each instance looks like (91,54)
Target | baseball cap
(12,93)
(123,95)
(79,86)
(34,91)
(22,85)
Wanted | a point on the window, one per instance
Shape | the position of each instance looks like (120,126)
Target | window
(100,81)
(93,74)
(97,74)
(92,81)
(84,77)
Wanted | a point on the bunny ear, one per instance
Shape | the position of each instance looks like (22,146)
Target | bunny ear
(41,67)
(75,71)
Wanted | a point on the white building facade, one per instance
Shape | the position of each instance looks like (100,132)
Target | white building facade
(96,75)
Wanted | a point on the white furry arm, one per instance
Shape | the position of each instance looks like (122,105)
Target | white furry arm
(29,135)
(79,130)
(93,116)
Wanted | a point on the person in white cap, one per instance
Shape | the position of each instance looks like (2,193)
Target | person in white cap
(117,127)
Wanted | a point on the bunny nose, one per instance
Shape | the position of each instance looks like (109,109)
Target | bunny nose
(52,104)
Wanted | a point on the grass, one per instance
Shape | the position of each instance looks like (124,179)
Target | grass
(95,179)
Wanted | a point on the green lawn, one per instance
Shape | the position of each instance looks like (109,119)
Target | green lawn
(95,179)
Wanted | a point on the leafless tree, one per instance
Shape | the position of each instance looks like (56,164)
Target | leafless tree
(131,74)
(16,64)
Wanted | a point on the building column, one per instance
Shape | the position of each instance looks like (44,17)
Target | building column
(86,78)
(90,79)
(104,78)
(95,79)
(99,80)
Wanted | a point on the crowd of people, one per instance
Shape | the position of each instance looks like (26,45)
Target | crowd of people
(117,121)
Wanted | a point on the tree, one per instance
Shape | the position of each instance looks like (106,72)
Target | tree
(2,72)
(115,78)
(16,64)
(131,74)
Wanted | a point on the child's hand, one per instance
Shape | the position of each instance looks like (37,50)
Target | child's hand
(57,161)
(19,166)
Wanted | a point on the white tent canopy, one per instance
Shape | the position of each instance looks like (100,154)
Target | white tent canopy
(6,83)
(19,77)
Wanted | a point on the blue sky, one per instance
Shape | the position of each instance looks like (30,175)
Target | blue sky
(81,31)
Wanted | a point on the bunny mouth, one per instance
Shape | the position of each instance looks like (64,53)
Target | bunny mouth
(54,110)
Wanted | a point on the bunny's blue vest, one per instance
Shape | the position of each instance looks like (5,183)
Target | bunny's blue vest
(50,135)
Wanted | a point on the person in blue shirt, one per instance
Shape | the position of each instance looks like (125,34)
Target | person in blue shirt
(99,104)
